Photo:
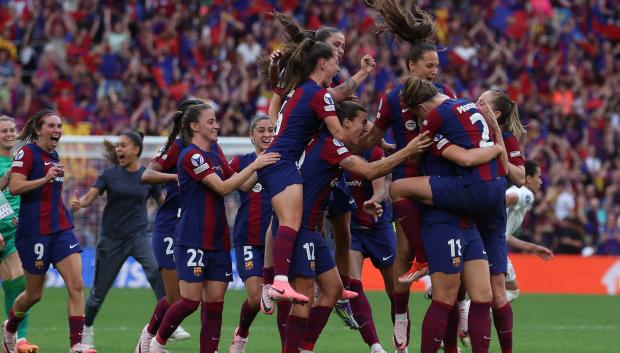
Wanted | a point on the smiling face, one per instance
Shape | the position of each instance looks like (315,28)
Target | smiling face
(330,68)
(49,133)
(337,41)
(126,151)
(8,134)
(356,127)
(206,127)
(426,67)
(262,135)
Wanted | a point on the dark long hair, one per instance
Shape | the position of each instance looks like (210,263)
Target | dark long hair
(415,27)
(177,121)
(418,91)
(191,115)
(303,61)
(136,138)
(29,132)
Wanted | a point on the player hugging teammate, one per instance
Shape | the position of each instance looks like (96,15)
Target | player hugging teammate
(315,157)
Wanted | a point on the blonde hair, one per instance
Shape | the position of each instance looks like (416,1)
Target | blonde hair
(509,113)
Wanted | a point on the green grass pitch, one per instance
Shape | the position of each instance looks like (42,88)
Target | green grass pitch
(543,324)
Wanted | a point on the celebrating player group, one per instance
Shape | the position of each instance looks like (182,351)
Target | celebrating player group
(459,189)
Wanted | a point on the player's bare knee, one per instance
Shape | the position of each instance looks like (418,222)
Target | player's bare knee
(33,296)
(75,287)
(480,294)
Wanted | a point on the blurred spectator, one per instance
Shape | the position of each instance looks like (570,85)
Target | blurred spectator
(570,237)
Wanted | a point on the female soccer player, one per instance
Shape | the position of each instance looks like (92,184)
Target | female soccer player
(251,224)
(311,67)
(44,233)
(11,271)
(322,162)
(202,244)
(124,230)
(423,62)
(340,221)
(163,169)
(372,236)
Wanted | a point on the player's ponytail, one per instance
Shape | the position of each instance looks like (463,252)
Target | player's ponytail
(417,91)
(177,119)
(303,61)
(509,113)
(29,132)
(110,152)
(191,115)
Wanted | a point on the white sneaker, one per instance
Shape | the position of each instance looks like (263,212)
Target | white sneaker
(376,348)
(404,350)
(179,334)
(463,330)
(145,341)
(88,336)
(266,303)
(155,347)
(81,348)
(238,343)
(399,336)
(9,340)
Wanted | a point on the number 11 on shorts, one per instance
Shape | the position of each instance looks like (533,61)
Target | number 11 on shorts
(453,249)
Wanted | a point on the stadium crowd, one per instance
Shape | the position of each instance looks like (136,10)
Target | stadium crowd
(108,65)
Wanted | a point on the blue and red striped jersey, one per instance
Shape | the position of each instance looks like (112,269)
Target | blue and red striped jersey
(461,123)
(434,164)
(202,223)
(404,124)
(167,214)
(254,213)
(513,148)
(299,119)
(41,210)
(320,170)
(362,190)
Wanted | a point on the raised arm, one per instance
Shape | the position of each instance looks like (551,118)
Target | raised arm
(347,89)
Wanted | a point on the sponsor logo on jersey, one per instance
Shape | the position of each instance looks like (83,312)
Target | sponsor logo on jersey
(528,199)
(515,154)
(441,143)
(18,164)
(354,183)
(19,155)
(338,143)
(342,150)
(410,125)
(258,187)
(329,101)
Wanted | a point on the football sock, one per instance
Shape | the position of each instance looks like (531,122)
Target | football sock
(346,281)
(14,319)
(211,327)
(283,244)
(434,326)
(12,288)
(316,322)
(268,275)
(295,333)
(175,314)
(362,312)
(480,327)
(502,318)
(76,326)
(246,317)
(401,302)
(408,215)
(450,343)
(158,315)
(284,309)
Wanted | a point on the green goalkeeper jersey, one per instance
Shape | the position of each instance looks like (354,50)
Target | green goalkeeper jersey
(13,200)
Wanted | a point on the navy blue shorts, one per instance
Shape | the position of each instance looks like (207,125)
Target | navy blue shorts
(276,177)
(37,252)
(199,265)
(163,248)
(379,244)
(452,194)
(311,256)
(250,260)
(447,246)
(340,200)
(494,239)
